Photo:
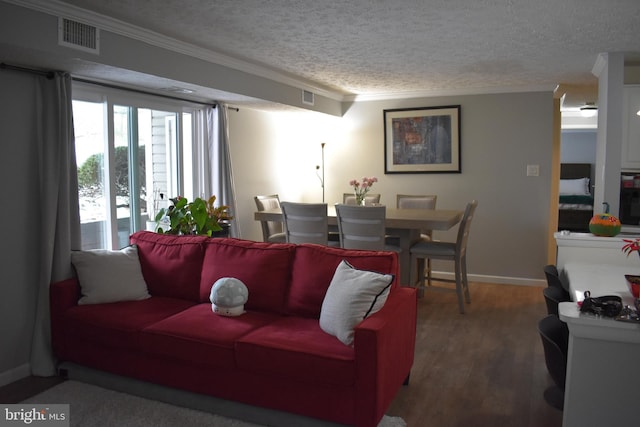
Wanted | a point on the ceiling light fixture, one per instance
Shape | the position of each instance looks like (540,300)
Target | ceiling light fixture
(589,109)
(176,89)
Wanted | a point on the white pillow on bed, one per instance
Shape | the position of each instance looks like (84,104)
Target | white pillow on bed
(574,187)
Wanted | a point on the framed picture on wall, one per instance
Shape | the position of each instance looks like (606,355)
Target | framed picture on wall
(422,140)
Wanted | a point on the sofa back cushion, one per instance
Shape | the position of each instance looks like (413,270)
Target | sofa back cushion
(171,265)
(314,267)
(265,268)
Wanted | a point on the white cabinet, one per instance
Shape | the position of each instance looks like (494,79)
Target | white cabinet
(631,127)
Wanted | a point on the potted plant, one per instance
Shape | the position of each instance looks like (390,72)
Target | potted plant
(199,217)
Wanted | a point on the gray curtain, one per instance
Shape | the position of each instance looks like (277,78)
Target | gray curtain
(40,219)
(60,219)
(219,168)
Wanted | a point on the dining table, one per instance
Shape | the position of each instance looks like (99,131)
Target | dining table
(405,224)
(603,355)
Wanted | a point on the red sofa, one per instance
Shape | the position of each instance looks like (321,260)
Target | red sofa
(275,355)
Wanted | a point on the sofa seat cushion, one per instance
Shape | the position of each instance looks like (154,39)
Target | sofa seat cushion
(171,265)
(118,324)
(199,336)
(313,270)
(265,268)
(295,348)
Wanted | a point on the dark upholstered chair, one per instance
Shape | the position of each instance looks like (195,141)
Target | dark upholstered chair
(554,334)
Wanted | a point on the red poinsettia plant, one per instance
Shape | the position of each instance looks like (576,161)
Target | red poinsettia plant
(631,246)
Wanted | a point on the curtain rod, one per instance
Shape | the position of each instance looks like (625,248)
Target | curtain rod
(144,92)
(47,74)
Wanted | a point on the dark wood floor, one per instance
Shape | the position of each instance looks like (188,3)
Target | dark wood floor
(483,368)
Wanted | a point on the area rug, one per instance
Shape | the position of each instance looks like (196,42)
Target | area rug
(95,406)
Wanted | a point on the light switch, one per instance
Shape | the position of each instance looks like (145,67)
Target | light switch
(533,170)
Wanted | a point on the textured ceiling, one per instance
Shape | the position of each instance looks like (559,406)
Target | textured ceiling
(381,48)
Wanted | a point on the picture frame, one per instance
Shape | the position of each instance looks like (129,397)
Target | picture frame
(422,140)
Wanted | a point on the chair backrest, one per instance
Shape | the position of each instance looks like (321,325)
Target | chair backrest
(552,276)
(361,227)
(264,203)
(553,281)
(406,201)
(305,222)
(465,226)
(555,341)
(554,296)
(369,199)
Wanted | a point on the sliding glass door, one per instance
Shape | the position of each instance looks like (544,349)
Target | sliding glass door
(130,161)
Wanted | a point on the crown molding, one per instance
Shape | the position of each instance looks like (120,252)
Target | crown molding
(57,8)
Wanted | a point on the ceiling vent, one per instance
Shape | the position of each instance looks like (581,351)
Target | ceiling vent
(79,36)
(308,97)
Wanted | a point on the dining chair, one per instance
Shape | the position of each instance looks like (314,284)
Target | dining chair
(450,251)
(272,231)
(554,334)
(362,227)
(553,281)
(369,199)
(554,296)
(350,199)
(305,222)
(427,201)
(412,201)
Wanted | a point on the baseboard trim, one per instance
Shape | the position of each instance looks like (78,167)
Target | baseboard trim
(15,374)
(502,280)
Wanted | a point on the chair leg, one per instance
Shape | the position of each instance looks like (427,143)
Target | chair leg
(420,283)
(428,271)
(467,296)
(459,284)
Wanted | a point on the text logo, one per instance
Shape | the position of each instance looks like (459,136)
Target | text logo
(35,415)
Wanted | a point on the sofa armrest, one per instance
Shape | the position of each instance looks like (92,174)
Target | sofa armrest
(62,296)
(384,350)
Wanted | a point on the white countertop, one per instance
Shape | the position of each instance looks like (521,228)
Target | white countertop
(599,279)
(588,248)
(564,238)
(589,326)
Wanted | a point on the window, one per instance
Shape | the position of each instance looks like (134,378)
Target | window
(130,156)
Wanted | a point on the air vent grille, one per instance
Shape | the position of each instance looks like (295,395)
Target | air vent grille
(308,97)
(78,35)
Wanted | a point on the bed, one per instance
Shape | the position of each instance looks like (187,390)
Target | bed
(576,199)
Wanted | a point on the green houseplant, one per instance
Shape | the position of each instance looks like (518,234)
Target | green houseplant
(199,217)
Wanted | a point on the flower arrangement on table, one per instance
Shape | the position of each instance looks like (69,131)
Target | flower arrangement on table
(360,189)
(197,217)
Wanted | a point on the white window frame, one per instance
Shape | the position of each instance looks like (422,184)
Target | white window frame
(177,165)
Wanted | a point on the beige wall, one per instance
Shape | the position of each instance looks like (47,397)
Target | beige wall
(501,134)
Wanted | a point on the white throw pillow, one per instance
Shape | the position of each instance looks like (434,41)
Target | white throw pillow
(574,187)
(352,296)
(109,276)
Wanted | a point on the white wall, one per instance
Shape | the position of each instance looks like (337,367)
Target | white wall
(501,134)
